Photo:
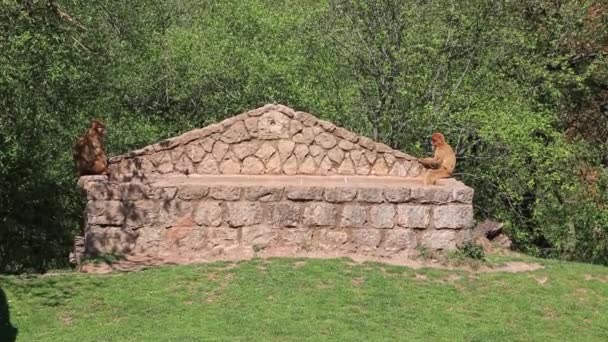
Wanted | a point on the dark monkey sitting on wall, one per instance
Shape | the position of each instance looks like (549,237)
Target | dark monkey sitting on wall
(442,164)
(89,153)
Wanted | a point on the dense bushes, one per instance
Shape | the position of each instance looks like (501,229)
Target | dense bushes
(506,82)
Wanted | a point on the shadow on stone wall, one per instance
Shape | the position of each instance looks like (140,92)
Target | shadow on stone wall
(8,333)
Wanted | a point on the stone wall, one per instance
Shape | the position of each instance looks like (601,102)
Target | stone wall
(202,218)
(273,139)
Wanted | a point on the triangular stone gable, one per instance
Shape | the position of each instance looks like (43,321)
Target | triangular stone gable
(271,140)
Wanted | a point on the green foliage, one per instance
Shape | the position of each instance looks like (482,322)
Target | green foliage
(503,80)
(472,251)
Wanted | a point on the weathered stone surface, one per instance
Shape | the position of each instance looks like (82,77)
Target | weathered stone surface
(252,126)
(326,140)
(230,167)
(109,240)
(192,192)
(319,214)
(173,211)
(263,193)
(165,193)
(398,170)
(226,193)
(244,213)
(331,239)
(326,125)
(127,191)
(141,213)
(220,240)
(413,216)
(163,162)
(382,216)
(305,118)
(246,149)
(184,165)
(306,137)
(208,214)
(366,239)
(431,194)
(379,168)
(300,152)
(105,213)
(326,167)
(398,239)
(208,142)
(356,156)
(371,156)
(195,152)
(273,166)
(444,239)
(297,237)
(367,143)
(453,216)
(363,167)
(353,216)
(346,145)
(347,167)
(346,134)
(341,194)
(285,148)
(370,195)
(463,195)
(308,167)
(259,237)
(291,166)
(397,195)
(304,193)
(286,214)
(295,127)
(317,130)
(336,155)
(389,159)
(265,152)
(176,154)
(273,125)
(219,150)
(236,133)
(252,166)
(208,166)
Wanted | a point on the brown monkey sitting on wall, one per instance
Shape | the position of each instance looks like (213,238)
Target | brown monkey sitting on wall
(442,164)
(89,154)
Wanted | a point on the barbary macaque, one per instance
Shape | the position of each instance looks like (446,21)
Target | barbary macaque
(442,164)
(89,153)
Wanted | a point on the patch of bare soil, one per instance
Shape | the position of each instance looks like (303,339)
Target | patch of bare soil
(134,263)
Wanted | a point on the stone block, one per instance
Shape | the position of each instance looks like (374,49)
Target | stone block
(347,167)
(309,193)
(346,134)
(399,239)
(141,213)
(291,166)
(331,239)
(326,140)
(382,216)
(105,213)
(245,149)
(299,237)
(208,166)
(431,194)
(258,237)
(453,216)
(306,119)
(225,193)
(273,125)
(366,239)
(263,193)
(319,214)
(244,213)
(353,216)
(192,192)
(397,195)
(413,216)
(286,214)
(370,195)
(463,195)
(339,194)
(236,133)
(252,166)
(109,240)
(285,148)
(444,239)
(208,214)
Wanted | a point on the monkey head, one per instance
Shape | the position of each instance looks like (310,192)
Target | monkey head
(437,139)
(98,128)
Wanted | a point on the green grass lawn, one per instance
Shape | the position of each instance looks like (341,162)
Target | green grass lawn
(294,300)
